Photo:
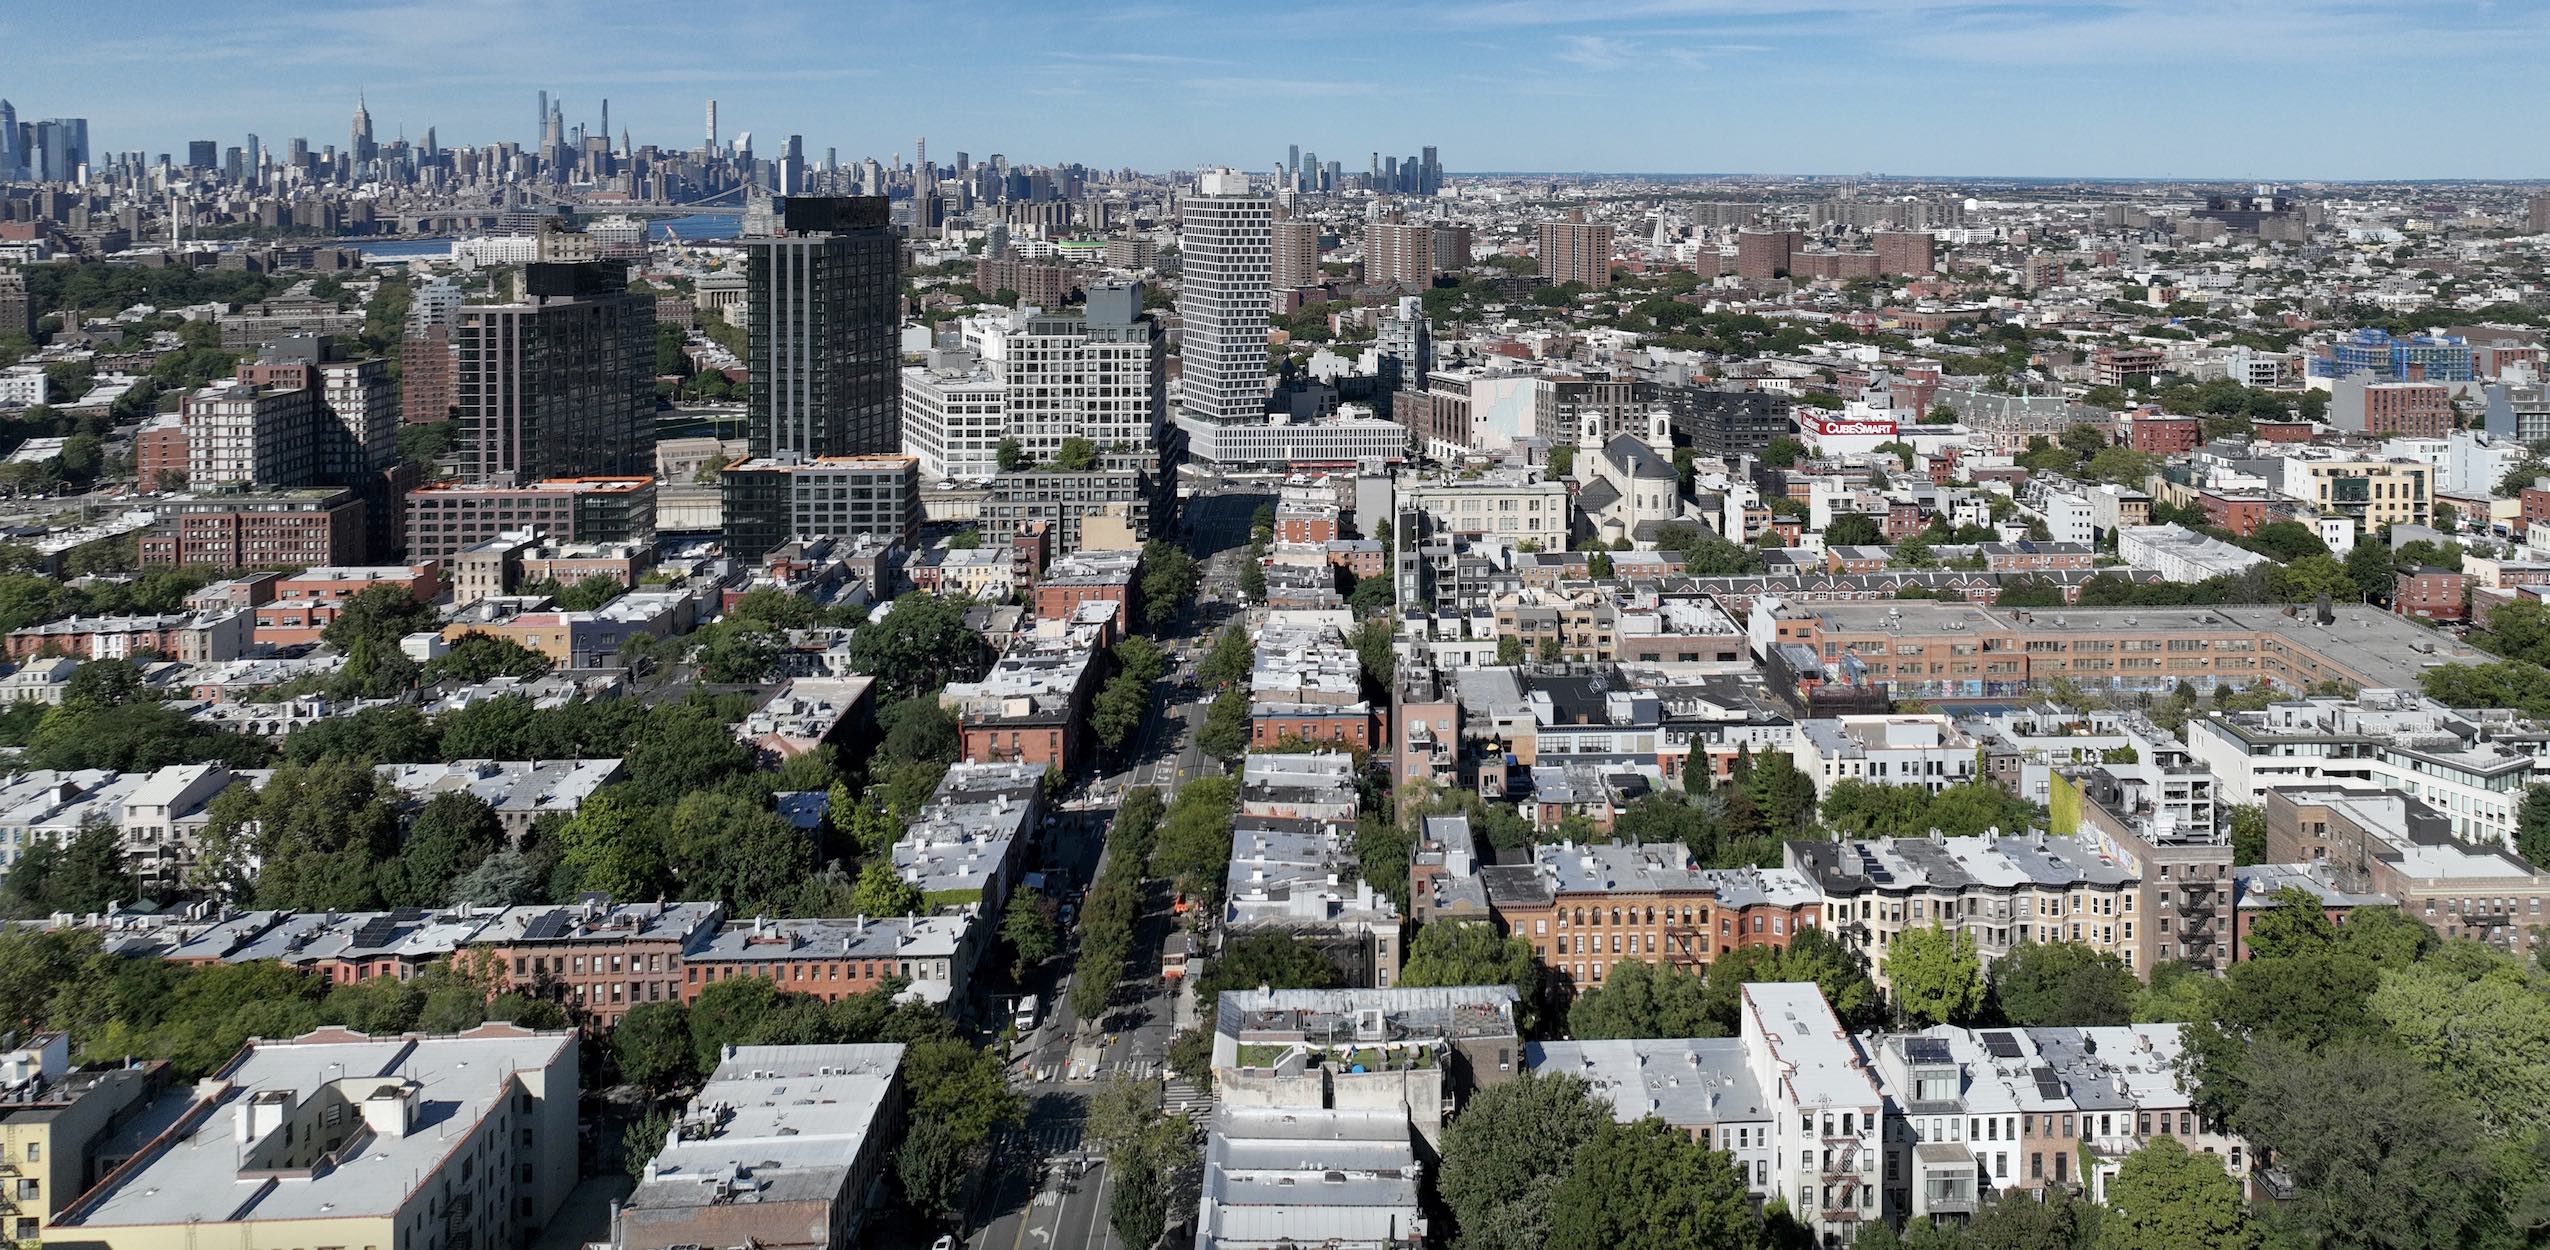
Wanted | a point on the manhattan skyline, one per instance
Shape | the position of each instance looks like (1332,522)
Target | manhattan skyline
(1915,87)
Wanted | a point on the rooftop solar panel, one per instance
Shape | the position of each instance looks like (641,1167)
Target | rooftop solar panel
(2001,1045)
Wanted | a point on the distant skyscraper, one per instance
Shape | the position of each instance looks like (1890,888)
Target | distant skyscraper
(540,124)
(921,158)
(201,153)
(12,160)
(362,147)
(1226,241)
(2536,209)
(1293,160)
(61,148)
(792,166)
(712,125)
(561,384)
(823,299)
(1430,174)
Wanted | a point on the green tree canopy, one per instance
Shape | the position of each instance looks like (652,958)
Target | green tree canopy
(1649,1183)
(2165,1197)
(2063,984)
(1935,974)
(1506,1153)
(1640,998)
(920,646)
(1469,952)
(1276,960)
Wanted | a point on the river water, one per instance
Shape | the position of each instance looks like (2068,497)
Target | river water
(694,227)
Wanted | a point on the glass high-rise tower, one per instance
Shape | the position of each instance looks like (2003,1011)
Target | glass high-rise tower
(825,299)
(560,384)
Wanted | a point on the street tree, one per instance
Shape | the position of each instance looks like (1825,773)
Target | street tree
(1028,926)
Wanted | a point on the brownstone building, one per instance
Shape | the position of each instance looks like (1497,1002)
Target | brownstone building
(600,957)
(1587,908)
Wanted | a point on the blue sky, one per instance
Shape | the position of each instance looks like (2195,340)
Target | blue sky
(2286,89)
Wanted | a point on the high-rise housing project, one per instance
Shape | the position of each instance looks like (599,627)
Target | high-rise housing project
(1410,254)
(1576,250)
(1226,242)
(1762,255)
(1293,252)
(560,384)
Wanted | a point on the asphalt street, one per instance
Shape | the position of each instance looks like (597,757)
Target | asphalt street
(1045,1189)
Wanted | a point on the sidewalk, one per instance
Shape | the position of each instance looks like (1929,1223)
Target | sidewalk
(1182,1009)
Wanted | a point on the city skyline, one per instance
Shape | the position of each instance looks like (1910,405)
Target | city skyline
(2126,88)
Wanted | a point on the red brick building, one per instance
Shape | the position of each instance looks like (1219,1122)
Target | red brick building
(601,958)
(2535,502)
(1305,523)
(1032,708)
(2241,514)
(1906,252)
(2432,594)
(2283,431)
(1586,909)
(1350,725)
(2408,409)
(294,529)
(427,378)
(1083,578)
(1761,255)
(304,605)
(2162,435)
(159,453)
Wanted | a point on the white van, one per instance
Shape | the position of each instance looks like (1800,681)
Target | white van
(1023,1017)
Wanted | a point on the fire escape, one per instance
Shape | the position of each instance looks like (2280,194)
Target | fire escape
(1841,1179)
